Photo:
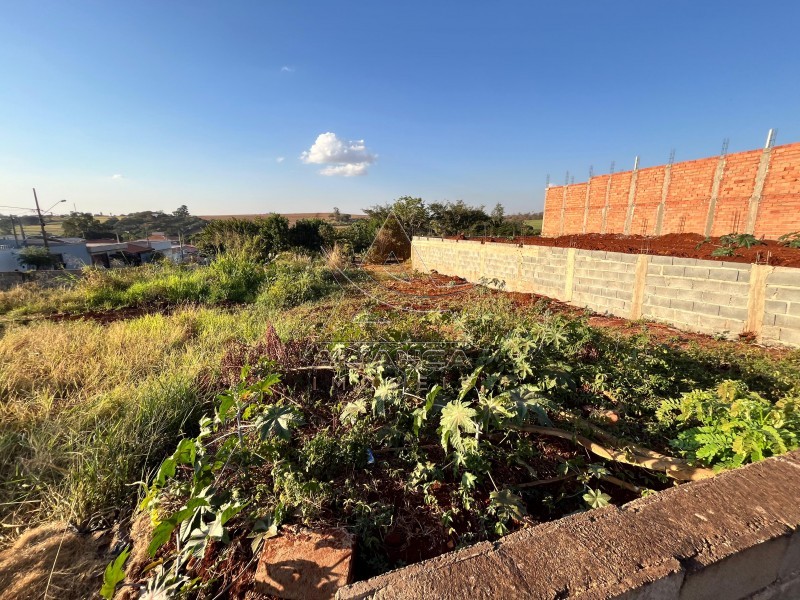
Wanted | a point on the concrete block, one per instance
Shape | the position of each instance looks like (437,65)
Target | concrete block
(661,260)
(681,304)
(697,272)
(790,567)
(656,301)
(673,271)
(726,287)
(743,267)
(734,313)
(737,576)
(793,309)
(724,274)
(657,312)
(688,262)
(787,294)
(684,283)
(789,337)
(707,309)
(784,276)
(652,280)
(776,307)
(770,333)
(787,321)
(779,590)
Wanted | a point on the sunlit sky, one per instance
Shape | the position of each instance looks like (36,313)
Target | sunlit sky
(300,106)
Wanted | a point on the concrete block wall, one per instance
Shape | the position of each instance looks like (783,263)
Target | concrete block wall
(782,306)
(713,297)
(604,281)
(735,536)
(700,295)
(757,192)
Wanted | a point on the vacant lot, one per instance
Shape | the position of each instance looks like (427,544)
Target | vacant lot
(422,413)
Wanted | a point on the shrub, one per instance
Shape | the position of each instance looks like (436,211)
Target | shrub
(734,425)
(291,283)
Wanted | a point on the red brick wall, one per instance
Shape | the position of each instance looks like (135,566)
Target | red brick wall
(649,186)
(576,205)
(689,194)
(779,210)
(688,197)
(597,200)
(552,211)
(618,202)
(738,181)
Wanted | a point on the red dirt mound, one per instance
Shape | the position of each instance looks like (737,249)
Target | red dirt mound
(685,245)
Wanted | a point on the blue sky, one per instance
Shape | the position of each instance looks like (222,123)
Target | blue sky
(123,106)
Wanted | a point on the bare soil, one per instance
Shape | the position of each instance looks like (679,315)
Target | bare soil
(684,245)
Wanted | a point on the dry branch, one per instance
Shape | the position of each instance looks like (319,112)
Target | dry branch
(632,455)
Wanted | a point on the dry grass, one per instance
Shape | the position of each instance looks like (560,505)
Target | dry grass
(87,408)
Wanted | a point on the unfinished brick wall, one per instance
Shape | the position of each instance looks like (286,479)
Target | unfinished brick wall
(757,192)
(649,189)
(778,210)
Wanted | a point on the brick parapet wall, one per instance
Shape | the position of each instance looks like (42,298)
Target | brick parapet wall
(765,183)
(713,297)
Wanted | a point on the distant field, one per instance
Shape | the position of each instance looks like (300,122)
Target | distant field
(293,217)
(535,223)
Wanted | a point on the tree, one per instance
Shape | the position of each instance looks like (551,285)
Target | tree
(498,214)
(260,238)
(311,234)
(337,215)
(37,257)
(181,211)
(453,218)
(410,212)
(86,226)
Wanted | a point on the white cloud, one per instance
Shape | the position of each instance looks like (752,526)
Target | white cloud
(345,170)
(287,69)
(345,158)
(117,176)
(280,159)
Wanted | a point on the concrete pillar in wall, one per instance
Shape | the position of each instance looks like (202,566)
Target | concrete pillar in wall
(569,277)
(756,299)
(715,186)
(637,296)
(631,198)
(605,204)
(563,210)
(586,204)
(758,188)
(662,205)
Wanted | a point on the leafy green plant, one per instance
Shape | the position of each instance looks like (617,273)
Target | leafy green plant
(790,240)
(114,574)
(732,425)
(596,498)
(740,240)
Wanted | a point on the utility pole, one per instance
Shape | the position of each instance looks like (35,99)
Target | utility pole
(14,230)
(41,222)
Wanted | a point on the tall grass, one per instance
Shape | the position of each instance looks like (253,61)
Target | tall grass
(229,278)
(88,408)
(287,281)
